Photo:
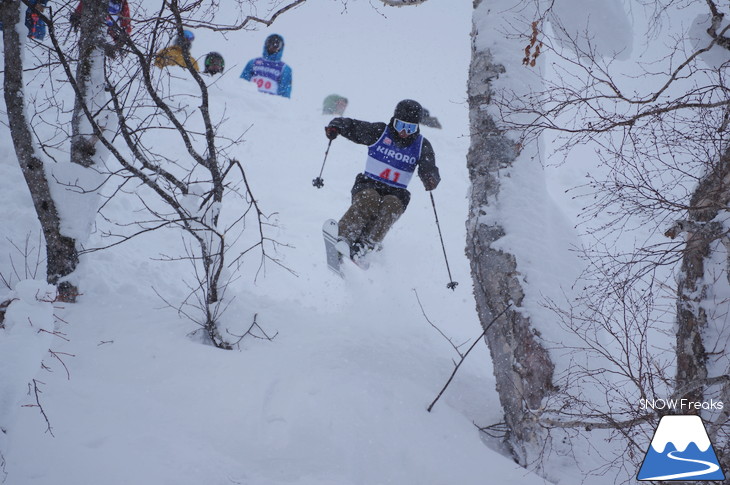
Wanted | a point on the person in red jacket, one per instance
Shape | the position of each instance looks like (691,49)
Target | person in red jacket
(118,20)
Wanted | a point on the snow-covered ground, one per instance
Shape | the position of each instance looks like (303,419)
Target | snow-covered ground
(339,396)
(129,394)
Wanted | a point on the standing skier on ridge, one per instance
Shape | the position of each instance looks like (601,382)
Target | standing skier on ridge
(174,55)
(379,195)
(269,72)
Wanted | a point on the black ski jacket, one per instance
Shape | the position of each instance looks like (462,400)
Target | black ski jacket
(366,133)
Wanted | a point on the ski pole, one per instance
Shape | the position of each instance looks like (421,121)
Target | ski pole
(318,182)
(451,284)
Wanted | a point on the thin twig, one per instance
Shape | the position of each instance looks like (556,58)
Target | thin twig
(55,355)
(456,368)
(37,393)
(456,347)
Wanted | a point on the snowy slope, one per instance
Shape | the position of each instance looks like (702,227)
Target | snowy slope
(340,395)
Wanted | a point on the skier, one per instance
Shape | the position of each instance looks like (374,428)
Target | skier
(379,195)
(269,72)
(36,25)
(174,55)
(214,64)
(118,21)
(334,104)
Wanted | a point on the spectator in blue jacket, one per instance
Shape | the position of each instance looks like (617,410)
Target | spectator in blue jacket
(269,72)
(36,25)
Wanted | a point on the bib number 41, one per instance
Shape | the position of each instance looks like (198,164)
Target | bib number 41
(391,175)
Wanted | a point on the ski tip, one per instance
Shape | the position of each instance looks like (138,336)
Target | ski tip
(337,271)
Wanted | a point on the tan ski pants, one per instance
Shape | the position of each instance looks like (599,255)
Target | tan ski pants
(370,217)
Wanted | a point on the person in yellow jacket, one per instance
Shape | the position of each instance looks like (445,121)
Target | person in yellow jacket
(174,54)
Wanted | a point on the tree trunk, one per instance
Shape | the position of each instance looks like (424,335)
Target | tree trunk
(711,196)
(691,317)
(89,80)
(61,254)
(522,366)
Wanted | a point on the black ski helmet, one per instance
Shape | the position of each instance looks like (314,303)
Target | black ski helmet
(409,111)
(214,63)
(274,43)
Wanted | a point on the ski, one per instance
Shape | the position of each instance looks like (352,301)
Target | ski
(335,256)
(330,232)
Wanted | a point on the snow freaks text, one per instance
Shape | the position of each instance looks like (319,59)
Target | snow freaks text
(679,404)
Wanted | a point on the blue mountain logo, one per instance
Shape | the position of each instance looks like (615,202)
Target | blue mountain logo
(680,450)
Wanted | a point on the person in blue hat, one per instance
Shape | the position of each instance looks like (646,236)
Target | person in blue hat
(174,55)
(270,74)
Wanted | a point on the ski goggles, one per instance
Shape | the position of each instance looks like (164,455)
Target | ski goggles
(409,128)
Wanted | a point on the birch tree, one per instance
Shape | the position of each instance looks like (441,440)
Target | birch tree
(61,252)
(122,105)
(88,81)
(523,366)
(188,190)
(663,144)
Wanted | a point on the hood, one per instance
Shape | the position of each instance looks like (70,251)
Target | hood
(276,56)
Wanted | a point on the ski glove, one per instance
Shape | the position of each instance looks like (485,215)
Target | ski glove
(429,182)
(331,132)
(335,128)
